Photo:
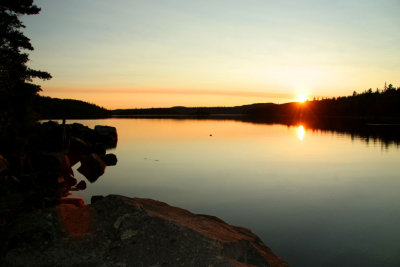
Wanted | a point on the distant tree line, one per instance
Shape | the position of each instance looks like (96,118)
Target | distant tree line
(368,106)
(178,111)
(48,108)
(372,106)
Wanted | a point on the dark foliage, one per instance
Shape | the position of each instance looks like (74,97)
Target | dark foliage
(47,108)
(16,87)
(372,107)
(380,106)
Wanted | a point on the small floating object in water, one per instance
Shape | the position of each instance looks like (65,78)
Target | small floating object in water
(210,134)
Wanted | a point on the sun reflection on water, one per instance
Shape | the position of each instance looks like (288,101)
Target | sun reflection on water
(300,132)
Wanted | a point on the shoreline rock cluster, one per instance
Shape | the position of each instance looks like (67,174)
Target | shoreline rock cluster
(40,173)
(122,231)
(39,226)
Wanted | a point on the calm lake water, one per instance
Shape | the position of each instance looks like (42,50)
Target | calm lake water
(316,198)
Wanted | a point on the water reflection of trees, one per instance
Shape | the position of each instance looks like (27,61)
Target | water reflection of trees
(370,116)
(386,134)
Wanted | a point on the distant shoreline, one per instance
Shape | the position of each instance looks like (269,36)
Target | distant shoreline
(380,107)
(282,119)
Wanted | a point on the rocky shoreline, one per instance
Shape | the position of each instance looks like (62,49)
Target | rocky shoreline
(37,170)
(122,231)
(41,225)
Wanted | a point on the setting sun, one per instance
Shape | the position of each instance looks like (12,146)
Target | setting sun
(301,98)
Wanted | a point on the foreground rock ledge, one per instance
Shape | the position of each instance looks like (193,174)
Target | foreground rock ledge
(121,231)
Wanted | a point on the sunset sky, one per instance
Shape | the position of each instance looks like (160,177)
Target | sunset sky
(162,53)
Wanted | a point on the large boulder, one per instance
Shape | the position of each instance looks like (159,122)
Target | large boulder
(81,131)
(107,135)
(92,167)
(121,231)
(110,159)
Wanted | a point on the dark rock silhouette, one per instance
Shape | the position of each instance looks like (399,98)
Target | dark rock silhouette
(110,159)
(81,185)
(39,173)
(92,167)
(121,231)
(107,135)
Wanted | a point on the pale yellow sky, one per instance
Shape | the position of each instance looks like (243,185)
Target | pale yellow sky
(149,53)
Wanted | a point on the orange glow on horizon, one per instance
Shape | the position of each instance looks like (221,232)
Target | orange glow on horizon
(132,97)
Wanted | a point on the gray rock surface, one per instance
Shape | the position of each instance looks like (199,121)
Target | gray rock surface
(121,231)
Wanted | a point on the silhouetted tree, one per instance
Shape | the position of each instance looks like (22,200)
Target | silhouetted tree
(16,87)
